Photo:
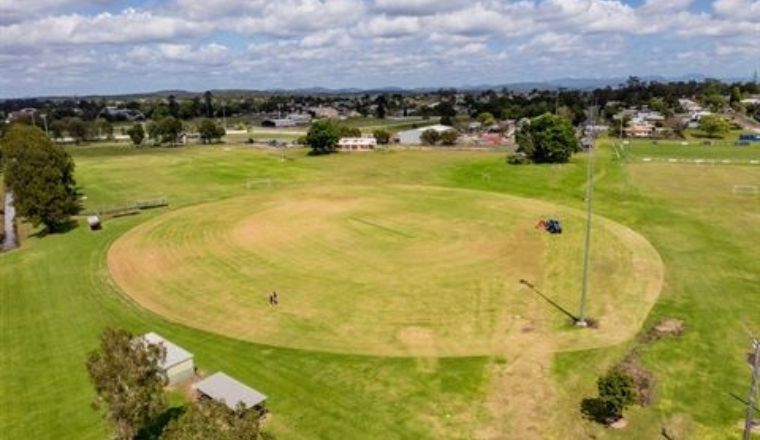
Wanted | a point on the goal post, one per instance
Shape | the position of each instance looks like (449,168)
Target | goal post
(258,184)
(746,190)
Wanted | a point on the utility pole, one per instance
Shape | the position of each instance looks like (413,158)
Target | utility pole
(581,322)
(749,420)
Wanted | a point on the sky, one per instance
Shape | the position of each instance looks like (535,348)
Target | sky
(75,47)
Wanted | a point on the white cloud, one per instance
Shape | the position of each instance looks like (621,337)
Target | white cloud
(419,7)
(130,26)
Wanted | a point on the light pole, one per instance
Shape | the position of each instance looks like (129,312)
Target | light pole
(581,321)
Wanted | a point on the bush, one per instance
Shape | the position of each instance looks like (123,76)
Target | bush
(617,391)
(382,136)
(430,137)
(449,137)
(518,158)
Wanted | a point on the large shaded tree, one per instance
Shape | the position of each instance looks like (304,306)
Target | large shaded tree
(209,131)
(208,419)
(323,136)
(129,384)
(41,176)
(547,139)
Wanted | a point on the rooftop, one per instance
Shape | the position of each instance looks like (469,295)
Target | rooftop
(224,388)
(174,353)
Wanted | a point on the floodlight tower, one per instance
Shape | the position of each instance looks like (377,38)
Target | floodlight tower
(749,420)
(581,321)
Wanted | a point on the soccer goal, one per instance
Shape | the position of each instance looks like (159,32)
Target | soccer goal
(258,184)
(746,190)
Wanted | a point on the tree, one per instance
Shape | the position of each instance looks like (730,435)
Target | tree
(136,134)
(322,137)
(209,419)
(173,106)
(208,100)
(547,139)
(449,137)
(154,133)
(170,128)
(618,390)
(77,129)
(714,125)
(128,380)
(382,136)
(430,136)
(57,128)
(41,176)
(486,118)
(346,131)
(103,128)
(210,131)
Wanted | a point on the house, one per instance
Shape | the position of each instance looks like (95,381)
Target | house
(640,129)
(412,137)
(357,144)
(178,364)
(278,122)
(231,392)
(324,112)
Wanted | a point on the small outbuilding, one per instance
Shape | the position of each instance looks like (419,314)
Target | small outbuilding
(357,144)
(178,364)
(231,392)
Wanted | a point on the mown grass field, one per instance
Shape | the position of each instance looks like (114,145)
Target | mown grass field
(57,294)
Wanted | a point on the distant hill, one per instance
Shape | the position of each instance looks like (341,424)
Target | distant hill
(565,83)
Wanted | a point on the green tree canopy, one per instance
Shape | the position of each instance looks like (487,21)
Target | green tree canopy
(129,384)
(547,139)
(170,128)
(208,419)
(486,118)
(41,176)
(77,129)
(382,136)
(430,136)
(714,125)
(210,131)
(449,137)
(136,134)
(618,390)
(323,136)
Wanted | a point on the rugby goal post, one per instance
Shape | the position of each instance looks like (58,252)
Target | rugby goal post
(746,190)
(258,184)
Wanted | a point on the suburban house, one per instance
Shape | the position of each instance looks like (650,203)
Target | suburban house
(178,364)
(231,392)
(324,112)
(640,129)
(278,122)
(357,144)
(412,137)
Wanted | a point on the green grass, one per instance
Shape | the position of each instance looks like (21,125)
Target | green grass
(56,297)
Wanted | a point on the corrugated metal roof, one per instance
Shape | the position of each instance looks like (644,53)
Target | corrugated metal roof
(223,388)
(174,353)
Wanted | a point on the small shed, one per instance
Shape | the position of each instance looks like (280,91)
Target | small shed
(178,364)
(231,392)
(94,222)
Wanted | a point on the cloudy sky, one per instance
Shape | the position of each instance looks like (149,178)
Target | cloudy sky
(115,46)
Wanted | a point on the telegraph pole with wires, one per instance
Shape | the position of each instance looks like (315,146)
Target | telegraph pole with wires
(749,420)
(581,321)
